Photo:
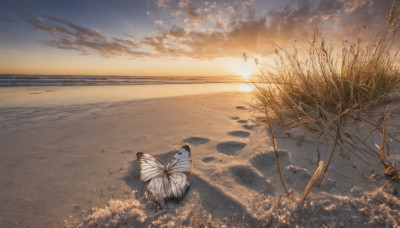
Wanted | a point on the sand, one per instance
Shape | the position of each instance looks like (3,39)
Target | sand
(76,165)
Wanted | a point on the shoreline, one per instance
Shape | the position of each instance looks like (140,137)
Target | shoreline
(44,96)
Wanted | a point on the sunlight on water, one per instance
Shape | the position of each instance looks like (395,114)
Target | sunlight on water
(246,88)
(69,95)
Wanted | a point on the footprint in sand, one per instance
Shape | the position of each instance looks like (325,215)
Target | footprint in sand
(235,117)
(245,176)
(230,147)
(266,161)
(196,140)
(208,159)
(241,107)
(242,121)
(241,134)
(297,177)
(248,127)
(126,152)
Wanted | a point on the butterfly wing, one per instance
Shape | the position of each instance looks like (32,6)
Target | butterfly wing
(173,186)
(179,184)
(149,167)
(157,188)
(178,171)
(181,162)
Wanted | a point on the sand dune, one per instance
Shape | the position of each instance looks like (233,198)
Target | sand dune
(76,166)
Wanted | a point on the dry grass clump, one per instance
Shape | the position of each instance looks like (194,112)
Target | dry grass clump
(324,86)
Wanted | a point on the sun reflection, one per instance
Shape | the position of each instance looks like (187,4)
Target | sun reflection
(246,87)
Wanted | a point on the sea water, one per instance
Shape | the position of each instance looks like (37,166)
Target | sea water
(25,92)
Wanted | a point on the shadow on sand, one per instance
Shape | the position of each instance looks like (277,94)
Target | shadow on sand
(195,141)
(241,134)
(230,147)
(202,195)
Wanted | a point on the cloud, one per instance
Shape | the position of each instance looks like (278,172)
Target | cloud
(188,11)
(184,3)
(194,15)
(244,29)
(215,29)
(158,22)
(248,36)
(162,3)
(168,43)
(69,36)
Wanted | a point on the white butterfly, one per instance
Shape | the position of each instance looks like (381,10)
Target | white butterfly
(166,182)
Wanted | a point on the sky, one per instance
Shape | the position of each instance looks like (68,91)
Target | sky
(167,37)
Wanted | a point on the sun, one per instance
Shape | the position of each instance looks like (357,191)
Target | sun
(245,75)
(243,72)
(243,69)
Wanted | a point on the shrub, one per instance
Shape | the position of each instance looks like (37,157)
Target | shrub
(322,86)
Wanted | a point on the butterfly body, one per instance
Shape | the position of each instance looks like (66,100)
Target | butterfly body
(166,182)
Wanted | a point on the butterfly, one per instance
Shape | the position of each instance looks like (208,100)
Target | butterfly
(166,182)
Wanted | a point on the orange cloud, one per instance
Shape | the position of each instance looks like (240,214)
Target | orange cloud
(232,28)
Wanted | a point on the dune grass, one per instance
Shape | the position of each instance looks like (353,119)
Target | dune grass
(325,85)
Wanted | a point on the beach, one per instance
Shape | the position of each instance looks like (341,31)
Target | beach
(60,161)
(75,165)
(200,114)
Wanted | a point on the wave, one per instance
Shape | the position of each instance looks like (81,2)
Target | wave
(74,80)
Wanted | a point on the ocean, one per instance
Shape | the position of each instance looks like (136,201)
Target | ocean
(38,91)
(81,80)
